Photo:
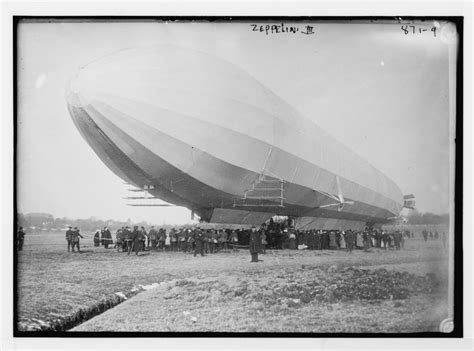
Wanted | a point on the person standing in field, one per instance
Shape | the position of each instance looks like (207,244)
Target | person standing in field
(190,240)
(223,240)
(168,242)
(97,238)
(384,240)
(332,240)
(182,240)
(174,240)
(342,240)
(366,240)
(397,240)
(389,240)
(234,239)
(136,239)
(198,242)
(425,235)
(69,239)
(350,240)
(131,239)
(210,241)
(143,238)
(76,240)
(147,237)
(264,242)
(254,244)
(106,237)
(162,239)
(325,240)
(292,240)
(316,242)
(120,243)
(153,235)
(20,239)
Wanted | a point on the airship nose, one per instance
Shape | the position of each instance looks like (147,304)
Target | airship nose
(80,95)
(78,89)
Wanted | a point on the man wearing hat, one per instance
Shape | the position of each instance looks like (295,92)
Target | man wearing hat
(254,244)
(198,242)
(350,240)
(106,237)
(136,241)
(69,238)
(75,239)
(153,236)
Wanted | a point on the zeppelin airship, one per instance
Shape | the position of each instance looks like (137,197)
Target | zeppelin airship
(195,130)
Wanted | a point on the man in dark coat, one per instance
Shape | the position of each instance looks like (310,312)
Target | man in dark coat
(397,239)
(69,239)
(106,237)
(366,240)
(127,237)
(389,240)
(174,239)
(143,238)
(75,239)
(21,238)
(317,240)
(425,235)
(120,242)
(162,239)
(307,239)
(254,244)
(136,238)
(332,240)
(153,236)
(97,238)
(198,242)
(378,239)
(325,240)
(350,240)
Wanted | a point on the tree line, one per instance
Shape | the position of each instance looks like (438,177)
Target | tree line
(47,222)
(416,217)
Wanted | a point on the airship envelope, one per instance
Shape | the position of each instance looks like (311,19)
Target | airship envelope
(200,132)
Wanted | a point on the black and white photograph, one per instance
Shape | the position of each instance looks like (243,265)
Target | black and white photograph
(238,176)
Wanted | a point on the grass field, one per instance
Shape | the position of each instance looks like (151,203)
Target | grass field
(290,291)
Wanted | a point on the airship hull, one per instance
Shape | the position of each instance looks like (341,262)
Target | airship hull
(208,148)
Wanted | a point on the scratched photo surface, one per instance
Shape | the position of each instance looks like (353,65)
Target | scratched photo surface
(346,117)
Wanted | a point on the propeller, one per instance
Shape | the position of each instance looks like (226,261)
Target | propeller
(341,201)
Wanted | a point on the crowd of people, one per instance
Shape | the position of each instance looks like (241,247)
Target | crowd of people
(182,239)
(270,235)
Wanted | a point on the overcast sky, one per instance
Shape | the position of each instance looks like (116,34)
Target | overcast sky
(380,91)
